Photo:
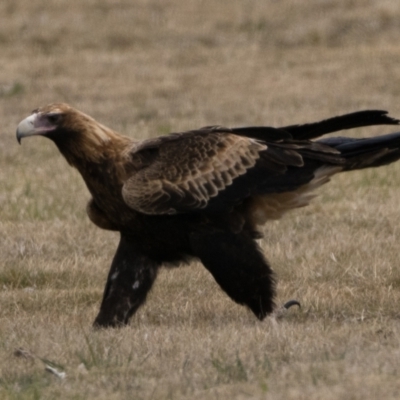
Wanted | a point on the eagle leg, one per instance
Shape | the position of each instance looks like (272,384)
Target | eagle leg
(239,267)
(130,278)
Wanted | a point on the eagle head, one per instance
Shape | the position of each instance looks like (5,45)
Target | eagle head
(76,134)
(60,122)
(47,121)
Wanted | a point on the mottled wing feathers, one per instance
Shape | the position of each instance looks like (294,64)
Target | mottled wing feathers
(188,170)
(215,169)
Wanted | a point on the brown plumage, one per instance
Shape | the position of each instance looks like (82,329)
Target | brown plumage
(201,194)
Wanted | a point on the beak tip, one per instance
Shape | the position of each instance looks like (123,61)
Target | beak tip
(26,128)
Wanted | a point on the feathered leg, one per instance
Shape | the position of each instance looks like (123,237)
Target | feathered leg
(129,280)
(238,266)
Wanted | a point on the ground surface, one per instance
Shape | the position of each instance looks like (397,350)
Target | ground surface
(146,68)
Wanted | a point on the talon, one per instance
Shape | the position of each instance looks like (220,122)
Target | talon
(291,303)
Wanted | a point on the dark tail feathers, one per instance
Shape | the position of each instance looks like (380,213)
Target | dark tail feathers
(317,129)
(347,121)
(366,152)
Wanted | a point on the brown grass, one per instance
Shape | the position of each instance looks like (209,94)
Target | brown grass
(150,67)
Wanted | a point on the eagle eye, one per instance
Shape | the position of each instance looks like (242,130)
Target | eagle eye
(53,117)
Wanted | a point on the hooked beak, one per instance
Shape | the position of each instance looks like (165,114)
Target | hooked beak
(32,126)
(27,128)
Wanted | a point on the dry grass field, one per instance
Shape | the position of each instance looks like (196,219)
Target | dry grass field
(147,68)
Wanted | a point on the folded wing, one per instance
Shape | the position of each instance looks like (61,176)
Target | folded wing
(212,168)
(185,172)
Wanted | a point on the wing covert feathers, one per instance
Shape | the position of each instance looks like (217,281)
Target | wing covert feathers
(188,173)
(190,169)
